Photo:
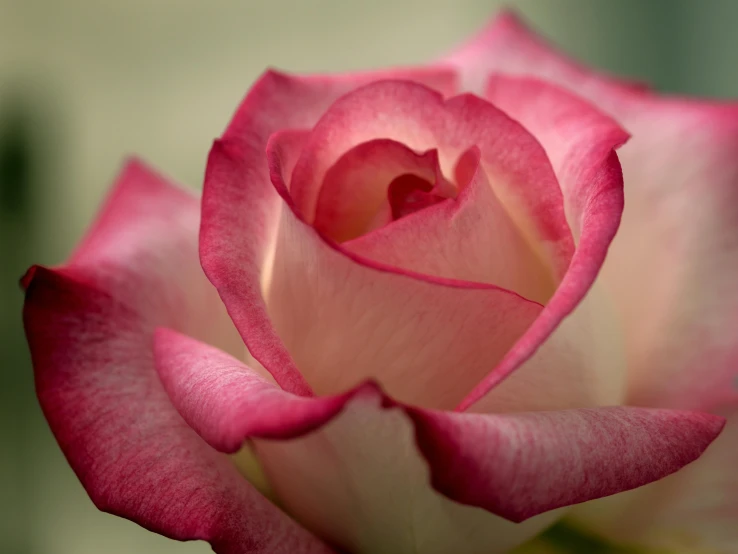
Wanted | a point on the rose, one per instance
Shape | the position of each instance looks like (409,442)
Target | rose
(411,250)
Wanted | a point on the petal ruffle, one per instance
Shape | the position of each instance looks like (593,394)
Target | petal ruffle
(369,491)
(89,325)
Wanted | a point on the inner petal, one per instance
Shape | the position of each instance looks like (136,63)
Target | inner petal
(468,238)
(371,182)
(408,194)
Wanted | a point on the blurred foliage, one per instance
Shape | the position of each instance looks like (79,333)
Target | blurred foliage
(15,163)
(17,403)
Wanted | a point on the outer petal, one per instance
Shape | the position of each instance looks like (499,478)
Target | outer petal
(690,512)
(338,480)
(239,222)
(89,326)
(673,265)
(506,46)
(673,270)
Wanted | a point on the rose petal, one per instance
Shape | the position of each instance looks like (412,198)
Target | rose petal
(672,265)
(240,216)
(693,510)
(355,188)
(471,238)
(369,491)
(329,304)
(89,326)
(580,142)
(506,46)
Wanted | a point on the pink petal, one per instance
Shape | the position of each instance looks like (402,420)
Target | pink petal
(673,270)
(580,143)
(506,46)
(349,467)
(471,238)
(519,465)
(355,188)
(672,266)
(90,324)
(695,508)
(240,215)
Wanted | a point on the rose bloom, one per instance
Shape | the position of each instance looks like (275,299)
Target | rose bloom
(427,310)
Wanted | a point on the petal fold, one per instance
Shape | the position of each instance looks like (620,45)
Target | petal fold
(519,465)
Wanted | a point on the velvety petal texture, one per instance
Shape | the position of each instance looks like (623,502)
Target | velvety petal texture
(90,328)
(338,481)
(671,269)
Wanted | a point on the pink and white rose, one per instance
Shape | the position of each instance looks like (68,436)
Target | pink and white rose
(438,307)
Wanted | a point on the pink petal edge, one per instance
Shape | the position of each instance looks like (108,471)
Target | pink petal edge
(513,465)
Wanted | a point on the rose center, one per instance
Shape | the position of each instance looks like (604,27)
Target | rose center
(409,193)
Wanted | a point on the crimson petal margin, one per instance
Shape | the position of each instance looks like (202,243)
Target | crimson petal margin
(513,465)
(89,326)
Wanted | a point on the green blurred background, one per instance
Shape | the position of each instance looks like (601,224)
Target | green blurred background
(83,83)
